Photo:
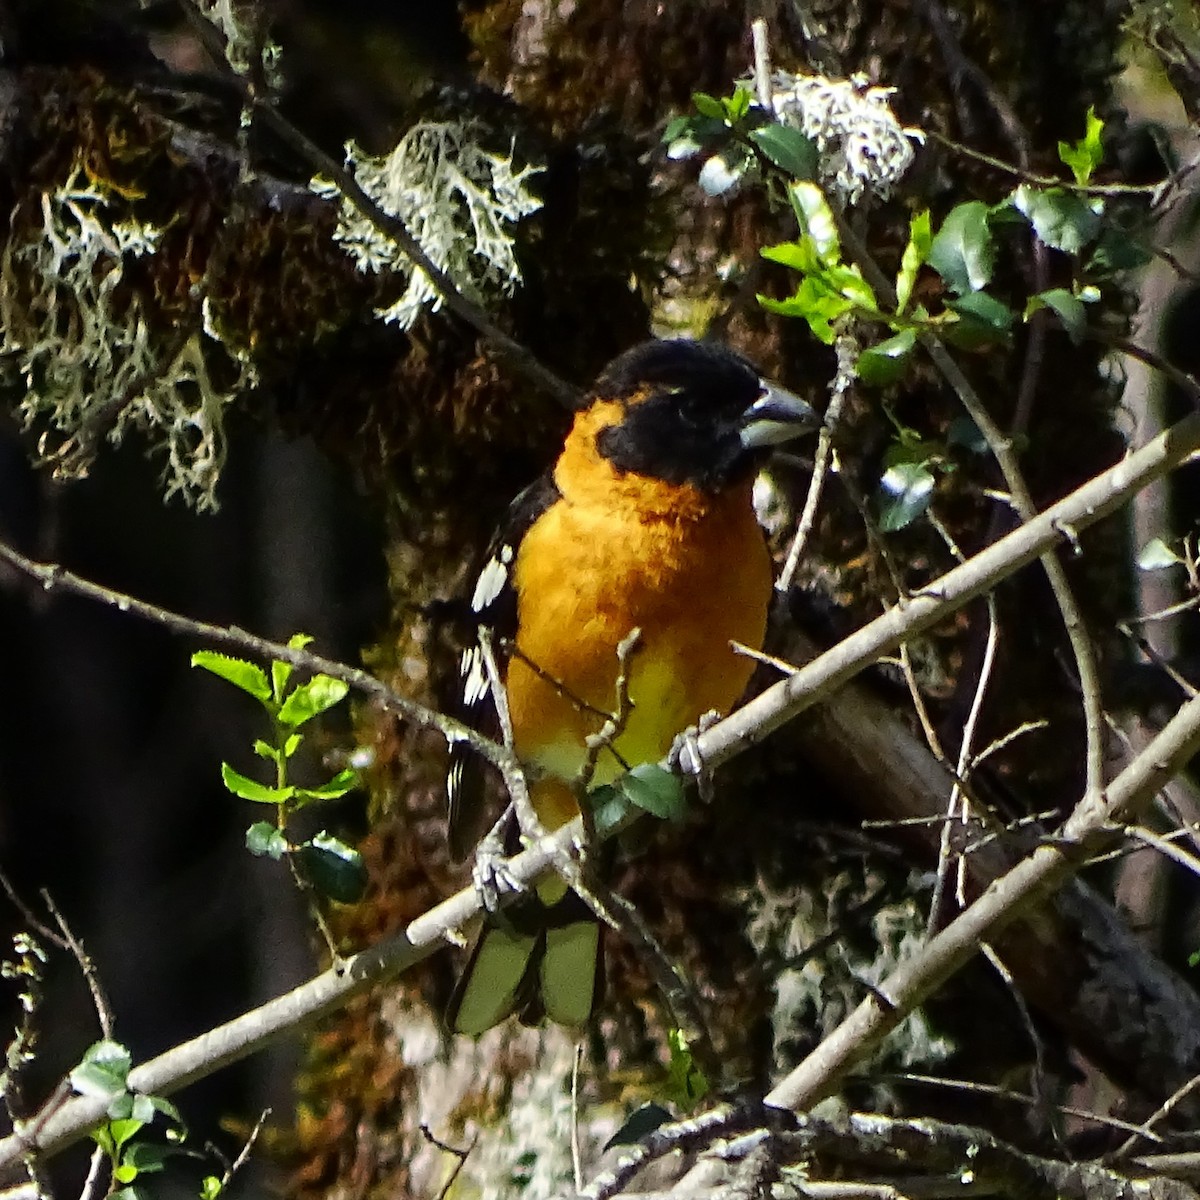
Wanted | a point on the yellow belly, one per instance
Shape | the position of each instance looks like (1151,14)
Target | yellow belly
(691,586)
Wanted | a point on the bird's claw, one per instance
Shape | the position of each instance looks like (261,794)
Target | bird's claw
(685,756)
(491,875)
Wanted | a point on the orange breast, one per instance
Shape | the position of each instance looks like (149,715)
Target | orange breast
(691,571)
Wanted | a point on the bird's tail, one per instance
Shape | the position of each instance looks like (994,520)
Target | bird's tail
(535,960)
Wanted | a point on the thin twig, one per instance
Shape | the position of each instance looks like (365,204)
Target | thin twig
(86,967)
(1150,190)
(52,577)
(576,1154)
(847,353)
(1145,1131)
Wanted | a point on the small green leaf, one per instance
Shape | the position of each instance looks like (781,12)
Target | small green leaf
(982,320)
(251,789)
(1117,250)
(905,492)
(333,868)
(210,1188)
(142,1108)
(266,750)
(103,1072)
(311,699)
(708,106)
(292,744)
(125,1173)
(920,242)
(1066,306)
(266,840)
(1063,220)
(130,1193)
(642,1121)
(343,782)
(147,1157)
(687,1084)
(800,256)
(1156,555)
(162,1105)
(676,128)
(610,808)
(964,253)
(1084,156)
(815,303)
(788,149)
(248,676)
(655,790)
(886,361)
(738,105)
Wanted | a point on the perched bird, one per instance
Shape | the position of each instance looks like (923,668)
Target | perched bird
(646,522)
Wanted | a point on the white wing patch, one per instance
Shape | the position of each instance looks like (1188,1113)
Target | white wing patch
(473,675)
(491,579)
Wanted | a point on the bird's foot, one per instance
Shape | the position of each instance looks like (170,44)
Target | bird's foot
(491,875)
(685,756)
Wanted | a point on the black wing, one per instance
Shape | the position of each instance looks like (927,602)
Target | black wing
(494,608)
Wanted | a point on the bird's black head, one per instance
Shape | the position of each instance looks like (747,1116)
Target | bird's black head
(693,412)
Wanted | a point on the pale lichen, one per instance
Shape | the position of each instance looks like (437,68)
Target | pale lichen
(458,201)
(93,362)
(862,148)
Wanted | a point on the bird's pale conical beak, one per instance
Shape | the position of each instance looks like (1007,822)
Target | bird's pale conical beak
(777,417)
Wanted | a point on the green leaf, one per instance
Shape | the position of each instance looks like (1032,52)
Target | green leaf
(248,676)
(1084,156)
(905,492)
(251,789)
(162,1105)
(800,256)
(292,744)
(123,1129)
(142,1108)
(655,790)
(816,219)
(886,361)
(311,699)
(982,320)
(610,808)
(815,303)
(333,868)
(210,1188)
(687,1084)
(148,1157)
(266,750)
(920,242)
(1066,306)
(738,105)
(708,106)
(343,782)
(103,1072)
(1156,555)
(642,1121)
(964,253)
(676,128)
(281,672)
(788,149)
(1063,220)
(266,840)
(1117,250)
(125,1173)
(130,1193)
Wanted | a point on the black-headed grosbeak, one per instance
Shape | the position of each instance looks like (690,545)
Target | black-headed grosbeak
(646,522)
